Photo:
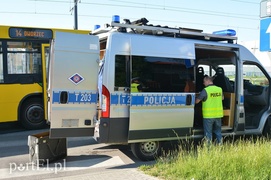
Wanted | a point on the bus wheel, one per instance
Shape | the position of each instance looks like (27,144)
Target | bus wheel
(32,114)
(146,151)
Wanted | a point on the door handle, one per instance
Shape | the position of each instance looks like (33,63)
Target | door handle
(188,100)
(63,97)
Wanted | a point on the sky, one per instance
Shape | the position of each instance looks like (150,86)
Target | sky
(207,15)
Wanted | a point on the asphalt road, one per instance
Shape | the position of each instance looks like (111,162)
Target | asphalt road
(85,159)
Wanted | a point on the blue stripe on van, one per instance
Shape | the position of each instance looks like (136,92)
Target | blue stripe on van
(56,97)
(149,99)
(77,97)
(114,99)
(158,100)
(120,99)
(124,99)
(242,99)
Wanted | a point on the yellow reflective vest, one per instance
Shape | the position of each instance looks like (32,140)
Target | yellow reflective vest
(212,107)
(134,87)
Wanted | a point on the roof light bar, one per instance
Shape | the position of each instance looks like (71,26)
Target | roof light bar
(116,19)
(141,27)
(96,27)
(226,32)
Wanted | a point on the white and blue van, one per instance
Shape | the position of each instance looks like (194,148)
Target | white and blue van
(90,78)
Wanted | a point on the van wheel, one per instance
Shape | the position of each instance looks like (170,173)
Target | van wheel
(267,128)
(146,151)
(32,114)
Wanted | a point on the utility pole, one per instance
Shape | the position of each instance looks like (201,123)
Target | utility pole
(75,14)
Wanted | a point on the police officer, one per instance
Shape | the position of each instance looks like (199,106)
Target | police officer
(212,109)
(136,86)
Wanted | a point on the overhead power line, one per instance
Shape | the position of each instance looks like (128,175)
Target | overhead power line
(249,2)
(157,20)
(178,9)
(166,8)
(149,6)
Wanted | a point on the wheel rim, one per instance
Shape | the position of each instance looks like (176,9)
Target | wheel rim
(149,148)
(34,114)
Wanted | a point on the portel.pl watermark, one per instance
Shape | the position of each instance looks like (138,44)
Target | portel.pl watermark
(27,167)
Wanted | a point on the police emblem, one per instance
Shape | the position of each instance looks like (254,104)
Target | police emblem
(76,78)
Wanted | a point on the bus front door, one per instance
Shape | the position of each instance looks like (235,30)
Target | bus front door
(73,74)
(45,59)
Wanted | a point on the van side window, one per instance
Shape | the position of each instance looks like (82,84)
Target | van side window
(255,86)
(102,49)
(160,74)
(256,94)
(254,75)
(122,71)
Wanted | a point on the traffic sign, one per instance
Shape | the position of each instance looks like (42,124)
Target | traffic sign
(265,34)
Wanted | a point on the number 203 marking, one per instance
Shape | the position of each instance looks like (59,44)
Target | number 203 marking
(85,97)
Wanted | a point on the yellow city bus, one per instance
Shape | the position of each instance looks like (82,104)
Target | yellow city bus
(24,53)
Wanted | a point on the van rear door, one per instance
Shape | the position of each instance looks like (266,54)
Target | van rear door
(72,86)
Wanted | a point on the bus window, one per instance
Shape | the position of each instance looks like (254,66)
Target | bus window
(23,58)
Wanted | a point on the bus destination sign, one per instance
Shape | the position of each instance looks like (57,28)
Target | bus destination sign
(30,33)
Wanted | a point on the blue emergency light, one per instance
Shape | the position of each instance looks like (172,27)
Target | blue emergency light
(116,19)
(226,32)
(96,27)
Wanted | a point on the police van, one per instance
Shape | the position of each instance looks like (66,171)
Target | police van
(90,85)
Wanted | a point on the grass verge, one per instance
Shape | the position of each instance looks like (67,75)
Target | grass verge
(239,160)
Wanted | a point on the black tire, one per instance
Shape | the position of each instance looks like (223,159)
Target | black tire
(146,151)
(267,128)
(32,114)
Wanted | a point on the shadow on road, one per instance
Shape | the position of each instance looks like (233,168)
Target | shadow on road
(10,127)
(13,139)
